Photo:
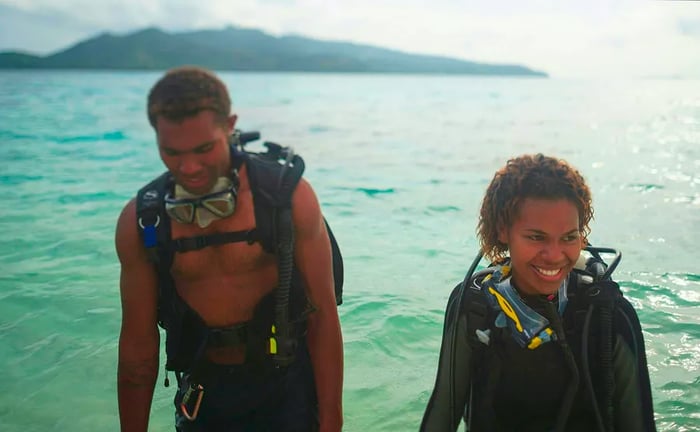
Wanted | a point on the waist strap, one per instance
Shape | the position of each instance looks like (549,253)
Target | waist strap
(229,336)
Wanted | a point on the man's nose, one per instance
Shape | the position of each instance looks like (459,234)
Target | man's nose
(189,165)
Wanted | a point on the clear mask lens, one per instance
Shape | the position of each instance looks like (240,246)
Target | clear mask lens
(220,207)
(182,212)
(203,209)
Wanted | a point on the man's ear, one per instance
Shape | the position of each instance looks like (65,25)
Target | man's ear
(232,123)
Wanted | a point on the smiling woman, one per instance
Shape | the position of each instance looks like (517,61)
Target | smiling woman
(515,354)
(544,244)
(538,209)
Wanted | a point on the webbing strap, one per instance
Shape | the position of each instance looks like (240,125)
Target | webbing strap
(187,244)
(226,337)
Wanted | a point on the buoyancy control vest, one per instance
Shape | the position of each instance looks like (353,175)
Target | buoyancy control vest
(279,319)
(596,317)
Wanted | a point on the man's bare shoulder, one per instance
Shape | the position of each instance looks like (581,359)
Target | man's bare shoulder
(305,197)
(138,279)
(127,240)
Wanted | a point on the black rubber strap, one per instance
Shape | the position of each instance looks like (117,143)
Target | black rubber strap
(226,337)
(187,244)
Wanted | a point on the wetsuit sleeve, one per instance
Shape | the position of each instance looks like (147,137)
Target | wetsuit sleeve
(449,397)
(627,402)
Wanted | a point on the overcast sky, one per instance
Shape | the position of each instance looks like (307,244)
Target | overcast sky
(584,38)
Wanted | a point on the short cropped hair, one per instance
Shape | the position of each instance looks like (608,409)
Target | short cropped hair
(185,92)
(529,176)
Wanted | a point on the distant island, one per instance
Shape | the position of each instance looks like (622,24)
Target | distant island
(240,49)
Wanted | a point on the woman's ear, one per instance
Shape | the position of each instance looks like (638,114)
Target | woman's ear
(503,235)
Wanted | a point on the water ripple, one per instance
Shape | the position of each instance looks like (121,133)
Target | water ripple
(402,201)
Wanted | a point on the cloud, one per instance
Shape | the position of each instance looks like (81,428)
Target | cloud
(568,39)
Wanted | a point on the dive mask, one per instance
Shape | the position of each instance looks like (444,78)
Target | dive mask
(219,203)
(528,327)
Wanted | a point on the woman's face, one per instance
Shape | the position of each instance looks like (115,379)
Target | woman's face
(544,243)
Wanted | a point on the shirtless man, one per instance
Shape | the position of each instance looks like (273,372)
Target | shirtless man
(223,285)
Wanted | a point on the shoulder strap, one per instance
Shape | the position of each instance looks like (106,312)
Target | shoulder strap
(153,221)
(272,179)
(154,229)
(615,316)
(480,326)
(150,216)
(338,267)
(273,176)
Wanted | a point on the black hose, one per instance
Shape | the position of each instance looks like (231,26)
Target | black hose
(596,251)
(286,340)
(602,272)
(606,364)
(453,397)
(571,390)
(246,137)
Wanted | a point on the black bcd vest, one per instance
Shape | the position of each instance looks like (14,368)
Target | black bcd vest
(272,175)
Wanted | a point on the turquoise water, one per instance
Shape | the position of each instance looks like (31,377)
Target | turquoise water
(399,163)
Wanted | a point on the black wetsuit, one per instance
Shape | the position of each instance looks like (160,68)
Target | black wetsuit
(238,399)
(504,387)
(519,389)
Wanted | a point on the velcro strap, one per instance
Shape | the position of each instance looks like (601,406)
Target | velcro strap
(187,244)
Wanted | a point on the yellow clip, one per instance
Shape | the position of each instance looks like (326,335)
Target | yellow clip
(273,342)
(536,341)
(507,309)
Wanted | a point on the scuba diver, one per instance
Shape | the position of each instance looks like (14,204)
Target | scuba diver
(542,339)
(229,252)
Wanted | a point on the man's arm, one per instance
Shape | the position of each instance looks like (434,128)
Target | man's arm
(139,338)
(314,260)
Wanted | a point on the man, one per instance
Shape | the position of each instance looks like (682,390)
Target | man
(233,385)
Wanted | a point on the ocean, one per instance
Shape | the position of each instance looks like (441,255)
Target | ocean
(399,163)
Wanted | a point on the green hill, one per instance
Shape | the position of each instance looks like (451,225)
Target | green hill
(245,50)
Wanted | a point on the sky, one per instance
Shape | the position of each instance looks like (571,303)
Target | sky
(570,39)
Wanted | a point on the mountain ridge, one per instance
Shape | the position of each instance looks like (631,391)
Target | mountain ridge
(245,49)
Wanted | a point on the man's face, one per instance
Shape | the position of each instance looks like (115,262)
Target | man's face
(196,150)
(544,243)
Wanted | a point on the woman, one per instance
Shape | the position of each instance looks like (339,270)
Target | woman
(542,340)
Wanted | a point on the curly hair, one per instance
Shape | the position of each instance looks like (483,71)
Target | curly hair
(529,176)
(185,92)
